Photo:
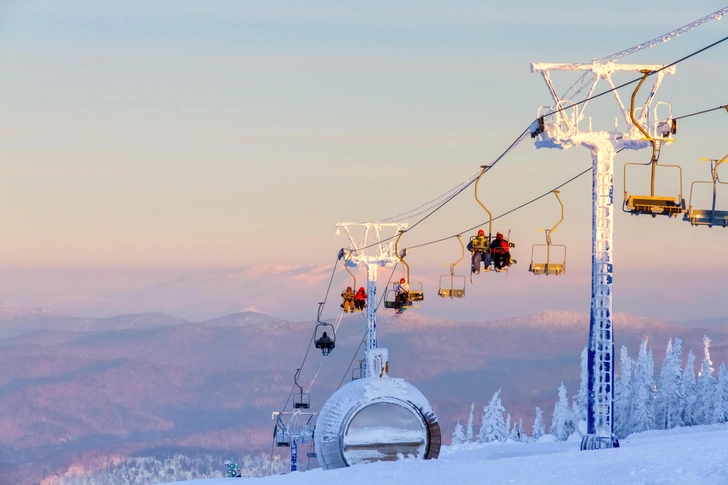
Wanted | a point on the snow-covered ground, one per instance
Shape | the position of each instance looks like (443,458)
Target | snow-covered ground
(697,455)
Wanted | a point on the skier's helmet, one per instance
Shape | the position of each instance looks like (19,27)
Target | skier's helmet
(402,280)
(481,233)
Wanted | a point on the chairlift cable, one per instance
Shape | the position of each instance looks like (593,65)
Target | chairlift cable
(717,15)
(527,130)
(725,106)
(505,213)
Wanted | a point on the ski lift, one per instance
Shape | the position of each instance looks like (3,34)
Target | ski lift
(311,453)
(280,435)
(324,342)
(353,277)
(549,268)
(301,400)
(652,204)
(415,294)
(490,224)
(453,291)
(708,217)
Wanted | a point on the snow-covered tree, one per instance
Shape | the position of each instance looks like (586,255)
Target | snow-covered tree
(643,385)
(492,427)
(458,435)
(580,400)
(562,424)
(687,388)
(521,433)
(705,389)
(669,399)
(538,427)
(469,431)
(623,396)
(509,430)
(720,410)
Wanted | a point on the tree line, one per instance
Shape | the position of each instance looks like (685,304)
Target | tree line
(676,397)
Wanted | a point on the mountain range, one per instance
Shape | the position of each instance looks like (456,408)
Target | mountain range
(75,391)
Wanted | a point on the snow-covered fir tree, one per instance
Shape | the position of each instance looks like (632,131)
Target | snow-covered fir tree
(521,433)
(562,424)
(458,435)
(469,432)
(538,428)
(580,399)
(508,425)
(492,427)
(720,410)
(705,390)
(643,385)
(687,388)
(669,400)
(623,396)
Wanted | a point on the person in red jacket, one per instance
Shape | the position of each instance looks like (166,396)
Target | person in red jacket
(360,300)
(500,250)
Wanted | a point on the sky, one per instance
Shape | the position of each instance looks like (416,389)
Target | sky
(195,157)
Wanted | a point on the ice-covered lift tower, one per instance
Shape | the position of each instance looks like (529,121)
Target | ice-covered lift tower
(372,253)
(559,127)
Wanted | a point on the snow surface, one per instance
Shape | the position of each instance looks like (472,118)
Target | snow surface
(695,455)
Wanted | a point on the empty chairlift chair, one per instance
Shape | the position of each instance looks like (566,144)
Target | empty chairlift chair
(708,217)
(452,285)
(301,400)
(652,204)
(557,267)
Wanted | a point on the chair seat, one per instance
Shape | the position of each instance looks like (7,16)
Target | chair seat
(707,218)
(547,269)
(452,293)
(647,204)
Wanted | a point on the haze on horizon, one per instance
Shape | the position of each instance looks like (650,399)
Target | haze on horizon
(194,159)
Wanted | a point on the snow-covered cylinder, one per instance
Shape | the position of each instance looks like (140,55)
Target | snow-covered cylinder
(376,419)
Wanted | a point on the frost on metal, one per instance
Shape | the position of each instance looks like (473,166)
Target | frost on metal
(372,251)
(375,419)
(559,126)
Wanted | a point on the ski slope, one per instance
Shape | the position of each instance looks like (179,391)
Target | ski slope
(696,455)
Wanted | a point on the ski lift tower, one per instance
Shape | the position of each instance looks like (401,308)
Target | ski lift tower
(558,126)
(296,431)
(373,253)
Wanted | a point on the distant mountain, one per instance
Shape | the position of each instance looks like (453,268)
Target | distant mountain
(19,321)
(242,319)
(704,323)
(75,386)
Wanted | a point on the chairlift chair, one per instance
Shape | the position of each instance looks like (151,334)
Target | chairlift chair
(347,263)
(708,217)
(549,268)
(301,400)
(280,435)
(652,204)
(485,168)
(452,290)
(415,289)
(325,342)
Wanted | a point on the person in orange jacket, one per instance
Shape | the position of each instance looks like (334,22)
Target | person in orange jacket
(360,300)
